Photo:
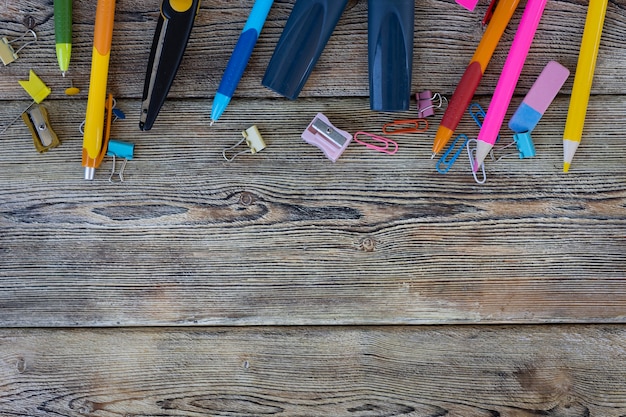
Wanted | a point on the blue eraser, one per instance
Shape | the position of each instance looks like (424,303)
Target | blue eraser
(525,119)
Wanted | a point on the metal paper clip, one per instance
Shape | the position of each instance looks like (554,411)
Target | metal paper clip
(446,161)
(389,146)
(321,133)
(44,138)
(471,155)
(405,126)
(7,53)
(253,139)
(119,149)
(425,106)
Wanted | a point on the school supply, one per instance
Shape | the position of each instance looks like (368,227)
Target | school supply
(96,130)
(37,121)
(508,79)
(63,32)
(122,150)
(405,126)
(168,47)
(306,33)
(425,103)
(390,53)
(583,79)
(254,142)
(239,59)
(541,94)
(376,142)
(7,53)
(330,140)
(473,74)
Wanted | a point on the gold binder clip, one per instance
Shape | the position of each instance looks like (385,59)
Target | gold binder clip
(253,139)
(44,138)
(7,53)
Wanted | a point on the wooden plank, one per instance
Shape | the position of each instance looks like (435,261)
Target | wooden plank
(287,237)
(401,371)
(445,38)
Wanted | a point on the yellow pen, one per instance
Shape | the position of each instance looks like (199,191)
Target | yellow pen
(93,138)
(582,80)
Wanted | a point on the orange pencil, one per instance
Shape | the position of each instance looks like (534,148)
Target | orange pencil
(473,74)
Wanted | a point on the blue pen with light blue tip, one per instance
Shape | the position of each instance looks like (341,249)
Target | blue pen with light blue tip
(240,57)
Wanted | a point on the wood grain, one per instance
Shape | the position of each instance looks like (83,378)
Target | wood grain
(286,236)
(112,294)
(572,371)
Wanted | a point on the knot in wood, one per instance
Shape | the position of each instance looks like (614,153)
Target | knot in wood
(246,198)
(368,244)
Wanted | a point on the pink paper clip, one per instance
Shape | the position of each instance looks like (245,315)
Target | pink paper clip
(389,146)
(321,133)
(405,126)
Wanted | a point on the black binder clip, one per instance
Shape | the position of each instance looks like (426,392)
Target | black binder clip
(168,47)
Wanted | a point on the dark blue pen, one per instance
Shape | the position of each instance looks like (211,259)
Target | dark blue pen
(239,59)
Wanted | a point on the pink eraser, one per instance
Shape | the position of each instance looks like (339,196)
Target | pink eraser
(547,86)
(541,94)
(321,133)
(468,4)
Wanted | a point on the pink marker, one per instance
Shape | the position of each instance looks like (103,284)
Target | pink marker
(508,79)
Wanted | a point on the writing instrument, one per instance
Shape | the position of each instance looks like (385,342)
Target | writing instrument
(473,74)
(63,32)
(508,79)
(94,118)
(240,57)
(306,33)
(582,80)
(390,32)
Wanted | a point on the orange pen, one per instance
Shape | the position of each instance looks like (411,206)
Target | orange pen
(473,74)
(94,144)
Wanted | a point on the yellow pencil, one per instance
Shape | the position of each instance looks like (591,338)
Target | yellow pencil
(582,80)
(94,120)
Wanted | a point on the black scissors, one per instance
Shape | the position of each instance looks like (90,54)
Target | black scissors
(168,46)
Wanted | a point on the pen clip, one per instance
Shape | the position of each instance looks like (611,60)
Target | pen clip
(405,126)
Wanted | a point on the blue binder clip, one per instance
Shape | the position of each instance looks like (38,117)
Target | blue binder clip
(525,145)
(120,149)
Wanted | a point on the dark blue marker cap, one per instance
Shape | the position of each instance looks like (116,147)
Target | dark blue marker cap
(306,33)
(390,53)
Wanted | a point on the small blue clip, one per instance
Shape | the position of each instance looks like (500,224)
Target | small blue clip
(120,149)
(444,163)
(525,146)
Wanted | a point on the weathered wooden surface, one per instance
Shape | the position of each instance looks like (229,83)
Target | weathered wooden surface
(285,237)
(571,371)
